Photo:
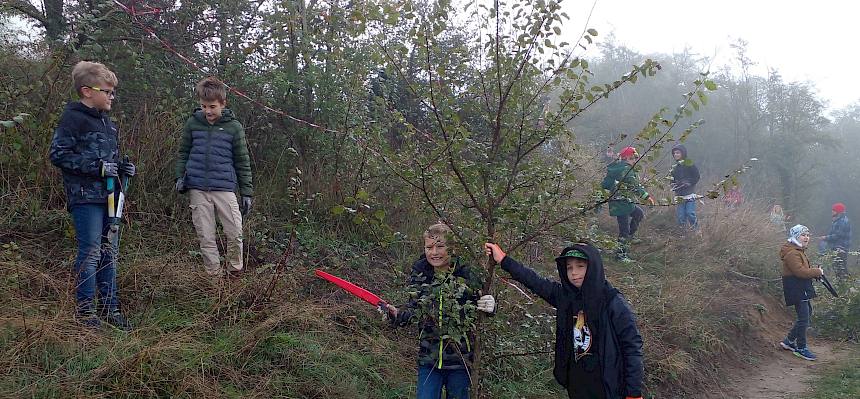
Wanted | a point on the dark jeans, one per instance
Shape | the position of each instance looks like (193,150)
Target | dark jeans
(840,263)
(628,224)
(431,380)
(798,331)
(95,264)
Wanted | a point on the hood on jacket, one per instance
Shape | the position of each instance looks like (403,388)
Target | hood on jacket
(423,266)
(81,107)
(226,115)
(595,291)
(680,147)
(617,168)
(789,247)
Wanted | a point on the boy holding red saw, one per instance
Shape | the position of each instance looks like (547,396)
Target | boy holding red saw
(444,299)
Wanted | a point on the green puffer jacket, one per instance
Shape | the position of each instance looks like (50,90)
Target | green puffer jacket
(215,157)
(621,174)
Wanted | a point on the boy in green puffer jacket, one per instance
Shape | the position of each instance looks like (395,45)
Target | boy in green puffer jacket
(214,163)
(621,180)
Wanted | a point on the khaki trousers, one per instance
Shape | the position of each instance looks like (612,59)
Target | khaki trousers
(204,207)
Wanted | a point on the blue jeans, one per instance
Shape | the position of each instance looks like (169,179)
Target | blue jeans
(431,380)
(686,213)
(95,264)
(798,331)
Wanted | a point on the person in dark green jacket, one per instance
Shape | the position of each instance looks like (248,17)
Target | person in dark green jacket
(623,184)
(213,164)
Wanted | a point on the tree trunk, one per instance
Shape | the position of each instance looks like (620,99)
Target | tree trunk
(55,21)
(476,376)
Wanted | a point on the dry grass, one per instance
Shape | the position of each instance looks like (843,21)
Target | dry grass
(193,338)
(198,339)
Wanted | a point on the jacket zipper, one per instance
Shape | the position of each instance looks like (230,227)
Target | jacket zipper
(440,329)
(208,151)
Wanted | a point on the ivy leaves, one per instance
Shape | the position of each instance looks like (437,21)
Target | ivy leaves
(446,301)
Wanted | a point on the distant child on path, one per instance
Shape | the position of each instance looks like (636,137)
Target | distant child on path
(598,349)
(777,216)
(734,197)
(838,239)
(444,292)
(685,175)
(214,163)
(797,275)
(621,178)
(86,149)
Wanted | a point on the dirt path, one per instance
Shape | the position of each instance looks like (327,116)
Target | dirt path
(784,375)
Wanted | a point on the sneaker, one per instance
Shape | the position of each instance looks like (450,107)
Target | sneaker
(804,353)
(234,275)
(788,345)
(88,319)
(116,319)
(624,259)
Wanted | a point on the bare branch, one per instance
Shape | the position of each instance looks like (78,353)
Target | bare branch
(28,9)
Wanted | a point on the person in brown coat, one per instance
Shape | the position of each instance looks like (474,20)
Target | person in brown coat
(797,276)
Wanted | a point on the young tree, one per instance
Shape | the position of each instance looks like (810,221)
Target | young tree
(500,97)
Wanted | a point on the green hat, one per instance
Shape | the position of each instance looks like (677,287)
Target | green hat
(573,253)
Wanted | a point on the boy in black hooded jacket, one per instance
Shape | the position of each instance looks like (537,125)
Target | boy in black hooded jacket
(598,349)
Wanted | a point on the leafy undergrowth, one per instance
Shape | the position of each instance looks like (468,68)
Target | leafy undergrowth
(699,298)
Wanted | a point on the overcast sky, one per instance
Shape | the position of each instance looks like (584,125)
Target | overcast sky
(804,40)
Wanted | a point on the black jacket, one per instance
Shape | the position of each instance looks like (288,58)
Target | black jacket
(620,345)
(84,138)
(420,280)
(839,236)
(685,174)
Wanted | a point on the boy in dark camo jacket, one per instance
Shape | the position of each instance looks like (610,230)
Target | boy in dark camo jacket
(85,148)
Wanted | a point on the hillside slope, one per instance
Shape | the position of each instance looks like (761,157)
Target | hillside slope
(708,308)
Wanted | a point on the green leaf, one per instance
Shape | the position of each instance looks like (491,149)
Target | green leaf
(710,85)
(592,32)
(338,210)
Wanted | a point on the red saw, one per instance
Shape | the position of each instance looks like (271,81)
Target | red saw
(353,289)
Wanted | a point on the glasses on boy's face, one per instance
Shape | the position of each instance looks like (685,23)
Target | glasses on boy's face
(109,93)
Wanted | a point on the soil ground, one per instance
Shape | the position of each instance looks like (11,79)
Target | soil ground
(774,373)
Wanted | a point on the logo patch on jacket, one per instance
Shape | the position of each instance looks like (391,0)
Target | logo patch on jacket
(581,337)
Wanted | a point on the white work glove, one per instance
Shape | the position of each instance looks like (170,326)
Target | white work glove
(487,304)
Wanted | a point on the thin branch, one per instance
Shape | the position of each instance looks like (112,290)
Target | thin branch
(28,9)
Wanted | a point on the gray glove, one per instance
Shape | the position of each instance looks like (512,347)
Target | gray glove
(180,185)
(110,169)
(245,207)
(127,169)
